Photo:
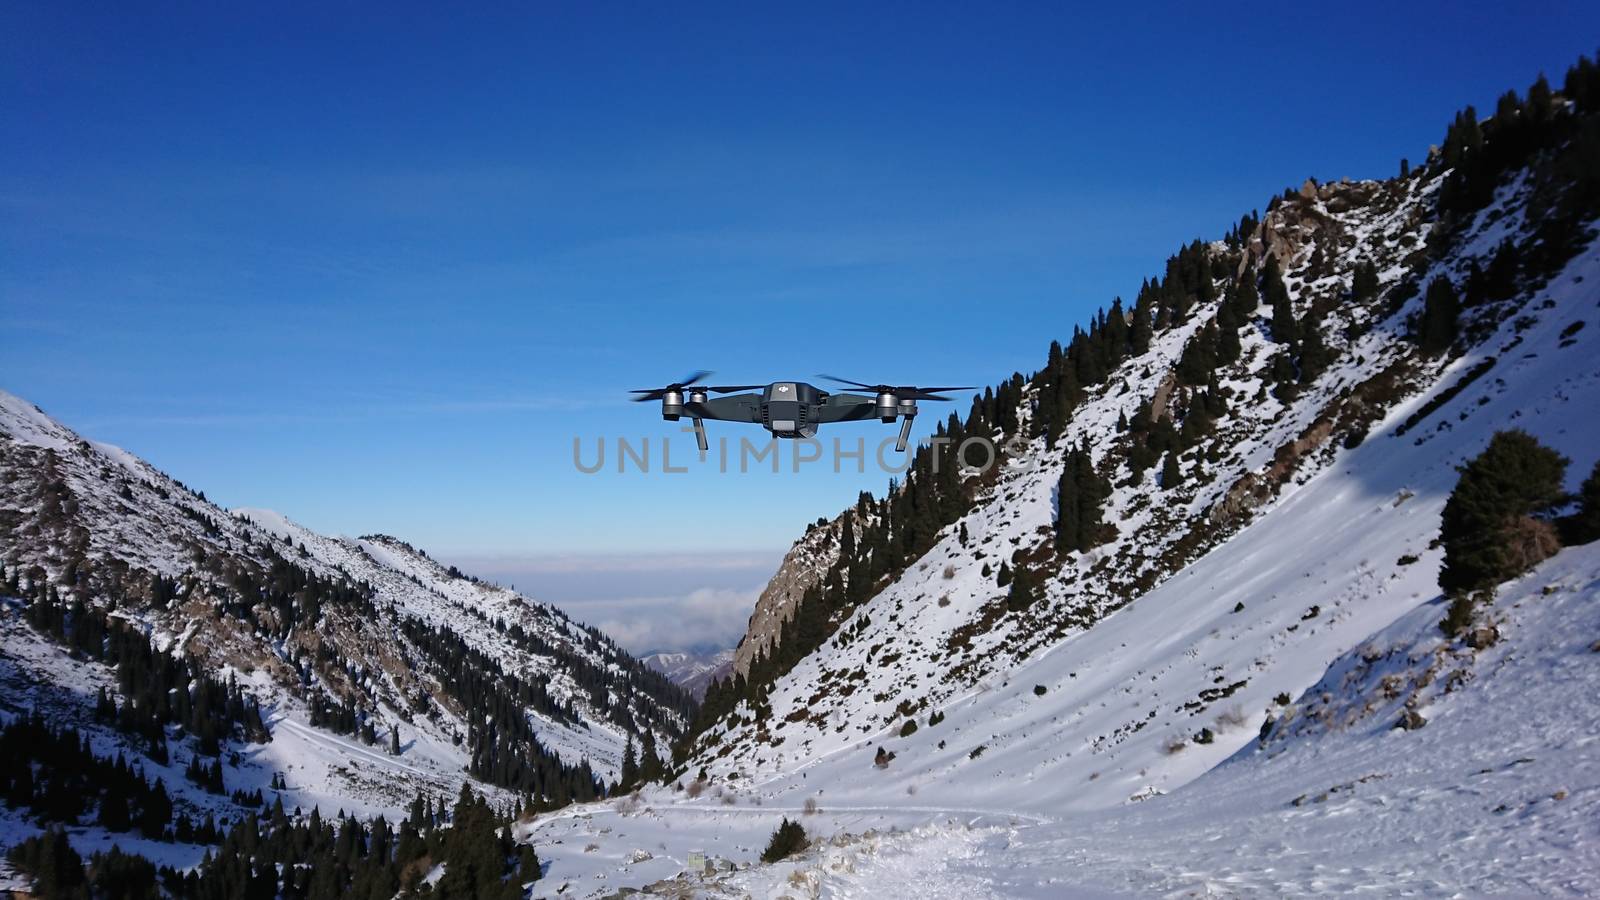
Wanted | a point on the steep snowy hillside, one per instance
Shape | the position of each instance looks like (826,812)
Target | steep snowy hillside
(1047,666)
(355,648)
(1345,493)
(1498,794)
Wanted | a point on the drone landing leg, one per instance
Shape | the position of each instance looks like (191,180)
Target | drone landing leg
(700,434)
(905,435)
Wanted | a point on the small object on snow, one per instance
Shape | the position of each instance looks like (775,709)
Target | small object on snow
(883,758)
(1483,637)
(1411,720)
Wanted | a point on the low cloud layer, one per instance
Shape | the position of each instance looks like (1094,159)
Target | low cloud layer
(647,603)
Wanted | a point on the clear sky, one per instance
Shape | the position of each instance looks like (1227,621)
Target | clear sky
(376,266)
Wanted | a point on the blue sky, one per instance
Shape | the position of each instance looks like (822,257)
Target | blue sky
(377,267)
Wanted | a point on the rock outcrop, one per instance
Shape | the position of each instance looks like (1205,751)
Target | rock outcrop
(804,566)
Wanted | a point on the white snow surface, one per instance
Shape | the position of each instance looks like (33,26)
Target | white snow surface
(1498,794)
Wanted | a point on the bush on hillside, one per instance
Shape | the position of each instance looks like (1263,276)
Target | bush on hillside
(1490,527)
(787,840)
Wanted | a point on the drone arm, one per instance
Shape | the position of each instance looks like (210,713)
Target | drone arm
(737,408)
(846,408)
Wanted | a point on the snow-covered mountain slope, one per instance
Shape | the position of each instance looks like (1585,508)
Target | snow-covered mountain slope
(1112,722)
(1085,698)
(1497,794)
(380,628)
(692,671)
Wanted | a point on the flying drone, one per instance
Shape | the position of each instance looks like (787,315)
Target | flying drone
(790,409)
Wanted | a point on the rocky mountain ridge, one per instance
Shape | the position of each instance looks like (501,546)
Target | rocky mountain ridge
(366,636)
(1335,411)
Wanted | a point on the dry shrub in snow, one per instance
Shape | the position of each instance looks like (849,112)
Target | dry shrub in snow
(1231,718)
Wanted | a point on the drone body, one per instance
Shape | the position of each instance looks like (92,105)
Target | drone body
(789,409)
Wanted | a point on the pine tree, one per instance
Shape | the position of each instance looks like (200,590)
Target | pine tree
(1585,526)
(651,768)
(1246,298)
(1436,330)
(1364,283)
(1199,357)
(1315,357)
(1139,330)
(787,840)
(1283,376)
(114,809)
(56,868)
(630,769)
(394,740)
(1487,528)
(1080,497)
(1024,589)
(1069,528)
(1228,348)
(1285,330)
(1284,327)
(1171,475)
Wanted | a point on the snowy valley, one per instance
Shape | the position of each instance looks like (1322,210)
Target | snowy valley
(1184,639)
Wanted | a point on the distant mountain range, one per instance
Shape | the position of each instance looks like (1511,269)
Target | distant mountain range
(692,670)
(350,645)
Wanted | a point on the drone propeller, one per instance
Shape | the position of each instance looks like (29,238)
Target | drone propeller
(731,388)
(906,391)
(658,393)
